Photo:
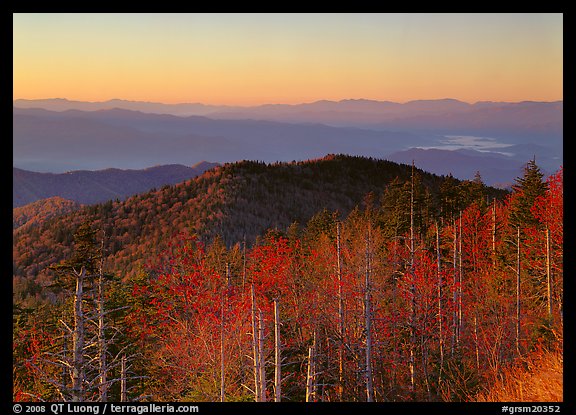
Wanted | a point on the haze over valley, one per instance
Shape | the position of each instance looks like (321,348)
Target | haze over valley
(496,139)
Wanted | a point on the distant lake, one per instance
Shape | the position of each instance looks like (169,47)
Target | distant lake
(470,142)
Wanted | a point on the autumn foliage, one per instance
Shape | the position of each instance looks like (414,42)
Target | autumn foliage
(390,303)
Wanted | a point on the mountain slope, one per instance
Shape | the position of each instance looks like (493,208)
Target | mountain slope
(88,187)
(39,211)
(237,201)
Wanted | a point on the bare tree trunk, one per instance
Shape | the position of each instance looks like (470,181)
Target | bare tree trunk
(243,263)
(222,366)
(460,276)
(340,317)
(102,346)
(548,275)
(494,235)
(103,368)
(368,324)
(315,366)
(262,358)
(311,375)
(222,321)
(277,355)
(439,275)
(256,349)
(424,349)
(476,343)
(395,317)
(78,375)
(454,290)
(123,378)
(412,290)
(518,291)
(65,370)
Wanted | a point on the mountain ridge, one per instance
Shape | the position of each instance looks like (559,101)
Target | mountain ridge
(111,103)
(345,112)
(89,187)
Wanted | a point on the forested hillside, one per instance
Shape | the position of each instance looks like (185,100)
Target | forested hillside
(360,280)
(41,210)
(237,201)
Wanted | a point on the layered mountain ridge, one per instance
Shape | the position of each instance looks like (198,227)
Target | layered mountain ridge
(61,135)
(89,187)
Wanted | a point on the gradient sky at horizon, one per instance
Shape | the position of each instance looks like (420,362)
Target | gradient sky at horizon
(251,59)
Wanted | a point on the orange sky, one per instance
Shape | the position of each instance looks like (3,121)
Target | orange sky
(249,59)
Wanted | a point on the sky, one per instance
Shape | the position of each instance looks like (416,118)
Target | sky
(252,59)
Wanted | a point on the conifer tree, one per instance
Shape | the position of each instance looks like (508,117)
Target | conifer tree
(527,188)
